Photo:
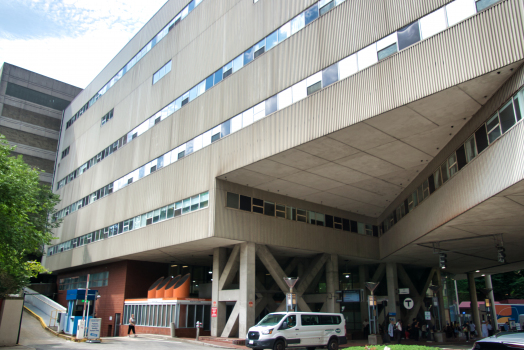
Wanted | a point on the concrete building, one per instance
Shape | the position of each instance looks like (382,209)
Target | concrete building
(31,107)
(342,142)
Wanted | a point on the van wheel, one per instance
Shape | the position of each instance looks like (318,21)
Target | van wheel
(333,344)
(279,345)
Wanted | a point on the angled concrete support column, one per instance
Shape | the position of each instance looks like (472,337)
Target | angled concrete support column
(363,277)
(219,262)
(332,283)
(492,316)
(392,279)
(440,295)
(246,299)
(474,304)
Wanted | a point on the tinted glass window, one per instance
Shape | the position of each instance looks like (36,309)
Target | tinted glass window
(507,117)
(245,203)
(311,14)
(330,75)
(482,139)
(408,35)
(232,200)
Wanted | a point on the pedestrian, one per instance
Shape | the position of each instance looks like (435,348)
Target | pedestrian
(490,330)
(506,326)
(484,329)
(391,329)
(131,326)
(466,331)
(415,327)
(472,330)
(398,328)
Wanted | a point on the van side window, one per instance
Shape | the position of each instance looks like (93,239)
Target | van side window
(310,320)
(329,319)
(291,322)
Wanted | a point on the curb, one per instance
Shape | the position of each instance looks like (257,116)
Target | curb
(185,340)
(56,334)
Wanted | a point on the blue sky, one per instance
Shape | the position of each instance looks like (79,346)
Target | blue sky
(69,40)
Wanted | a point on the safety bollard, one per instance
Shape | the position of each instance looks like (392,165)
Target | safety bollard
(198,325)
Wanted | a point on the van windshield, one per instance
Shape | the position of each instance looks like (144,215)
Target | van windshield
(271,320)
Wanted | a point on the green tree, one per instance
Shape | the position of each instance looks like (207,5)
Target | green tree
(507,285)
(24,226)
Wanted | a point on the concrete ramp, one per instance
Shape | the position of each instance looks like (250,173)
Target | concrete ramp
(44,307)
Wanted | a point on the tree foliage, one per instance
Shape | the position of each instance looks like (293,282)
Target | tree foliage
(24,225)
(508,285)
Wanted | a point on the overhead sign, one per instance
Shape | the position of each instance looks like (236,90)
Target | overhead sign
(408,303)
(427,315)
(214,312)
(93,329)
(403,291)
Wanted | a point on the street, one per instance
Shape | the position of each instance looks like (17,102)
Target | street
(34,336)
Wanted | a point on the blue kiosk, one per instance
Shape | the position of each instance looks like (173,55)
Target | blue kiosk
(75,308)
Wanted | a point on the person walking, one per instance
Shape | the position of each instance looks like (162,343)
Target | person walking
(391,330)
(131,326)
(466,331)
(472,330)
(490,329)
(484,329)
(398,330)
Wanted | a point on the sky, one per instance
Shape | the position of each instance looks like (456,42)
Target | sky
(69,40)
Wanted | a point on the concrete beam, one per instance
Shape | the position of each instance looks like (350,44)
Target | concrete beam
(332,283)
(474,303)
(392,279)
(379,274)
(231,327)
(231,268)
(313,270)
(272,266)
(219,262)
(229,295)
(363,277)
(419,302)
(246,318)
(315,298)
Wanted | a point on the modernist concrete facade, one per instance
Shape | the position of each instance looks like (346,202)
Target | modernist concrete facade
(31,107)
(324,139)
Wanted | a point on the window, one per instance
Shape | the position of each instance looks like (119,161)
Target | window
(311,218)
(507,117)
(412,200)
(387,46)
(204,200)
(433,23)
(493,128)
(337,223)
(269,208)
(367,56)
(330,75)
(245,203)
(195,202)
(482,4)
(301,215)
(325,6)
(162,72)
(65,152)
(459,10)
(320,219)
(107,117)
(281,211)
(408,36)
(452,165)
(314,83)
(311,14)
(291,213)
(348,66)
(259,48)
(232,200)
(258,206)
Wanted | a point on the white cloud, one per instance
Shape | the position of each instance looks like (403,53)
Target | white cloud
(84,35)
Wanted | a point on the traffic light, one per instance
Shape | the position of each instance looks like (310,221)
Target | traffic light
(443,260)
(501,255)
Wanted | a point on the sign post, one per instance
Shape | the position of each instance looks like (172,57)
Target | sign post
(93,331)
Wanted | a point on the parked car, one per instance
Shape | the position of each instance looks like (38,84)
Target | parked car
(281,330)
(501,341)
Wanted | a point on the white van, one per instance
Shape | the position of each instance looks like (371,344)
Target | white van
(280,330)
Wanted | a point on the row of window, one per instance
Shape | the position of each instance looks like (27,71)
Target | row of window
(503,120)
(161,72)
(107,117)
(65,152)
(95,280)
(266,44)
(180,16)
(421,29)
(255,205)
(187,205)
(338,71)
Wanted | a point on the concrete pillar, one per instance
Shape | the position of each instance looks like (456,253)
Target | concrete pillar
(489,284)
(363,277)
(219,262)
(474,304)
(246,298)
(440,295)
(332,283)
(392,279)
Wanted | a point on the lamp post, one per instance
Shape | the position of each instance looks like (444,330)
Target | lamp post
(291,298)
(372,305)
(435,289)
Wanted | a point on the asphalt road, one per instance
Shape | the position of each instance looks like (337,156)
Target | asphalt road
(33,335)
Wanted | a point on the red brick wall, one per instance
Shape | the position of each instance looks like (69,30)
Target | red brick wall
(179,332)
(111,296)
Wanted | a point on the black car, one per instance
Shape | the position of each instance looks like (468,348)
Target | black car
(501,341)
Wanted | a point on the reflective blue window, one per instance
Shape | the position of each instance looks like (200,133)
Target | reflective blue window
(209,82)
(218,76)
(408,35)
(311,14)
(248,55)
(271,40)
